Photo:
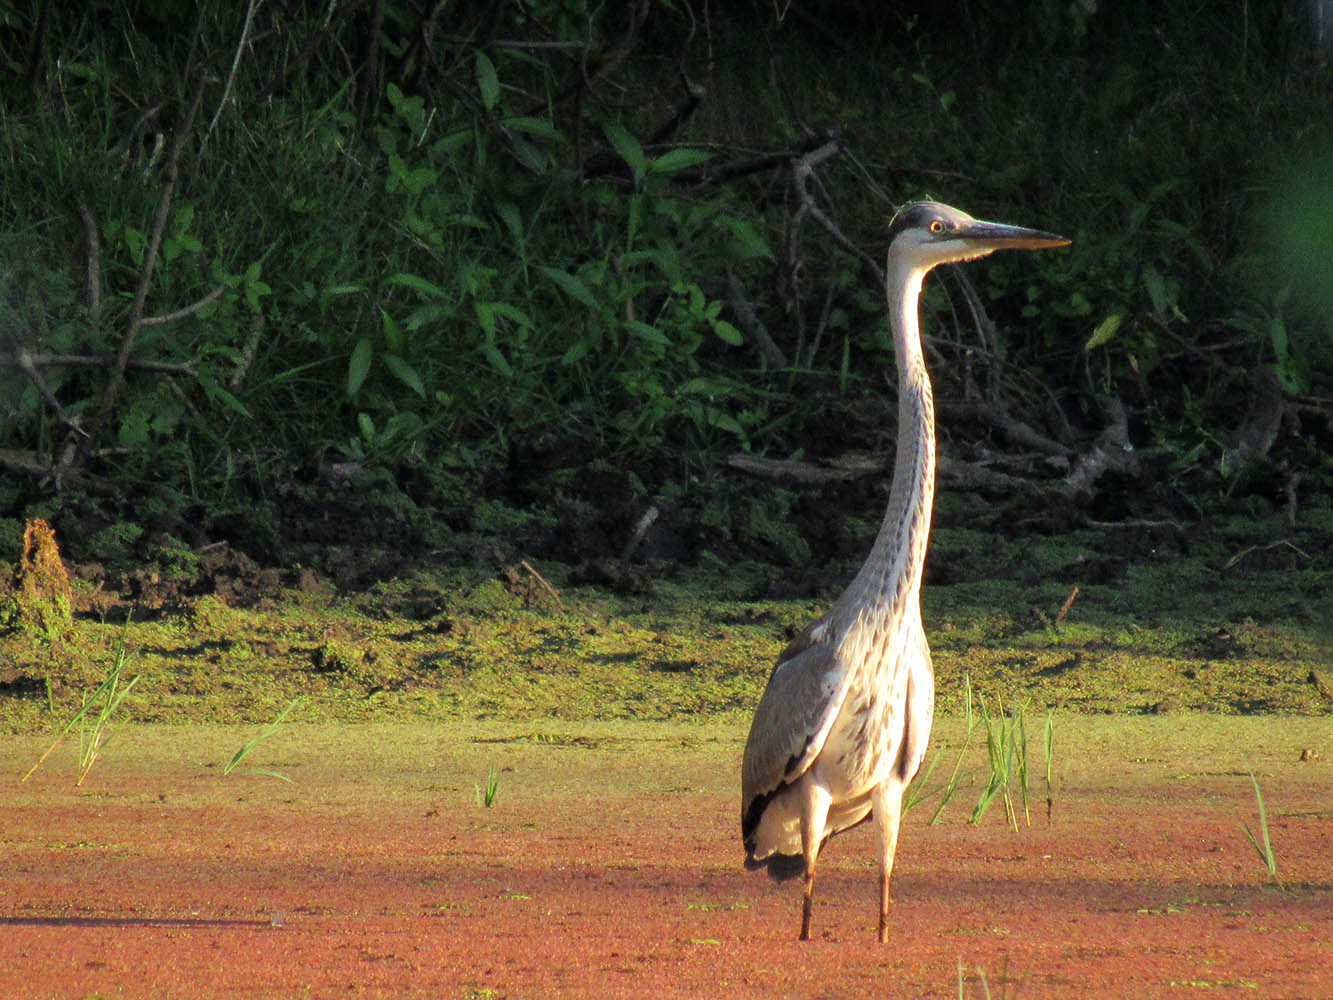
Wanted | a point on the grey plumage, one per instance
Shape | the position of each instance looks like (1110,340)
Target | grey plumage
(844,721)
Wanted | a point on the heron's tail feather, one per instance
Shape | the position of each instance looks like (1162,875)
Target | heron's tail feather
(781,867)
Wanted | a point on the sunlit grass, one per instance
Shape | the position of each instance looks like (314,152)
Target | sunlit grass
(486,796)
(1262,844)
(94,717)
(259,738)
(1006,749)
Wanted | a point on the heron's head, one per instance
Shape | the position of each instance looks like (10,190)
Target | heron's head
(925,233)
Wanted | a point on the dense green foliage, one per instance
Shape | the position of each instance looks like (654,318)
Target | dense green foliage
(449,270)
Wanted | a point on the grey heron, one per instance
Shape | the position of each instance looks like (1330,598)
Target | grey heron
(843,723)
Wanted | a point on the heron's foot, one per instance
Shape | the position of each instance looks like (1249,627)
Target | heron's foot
(806,905)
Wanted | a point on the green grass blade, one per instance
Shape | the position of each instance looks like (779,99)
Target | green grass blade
(1264,849)
(263,735)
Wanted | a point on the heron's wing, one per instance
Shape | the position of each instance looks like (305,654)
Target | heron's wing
(805,691)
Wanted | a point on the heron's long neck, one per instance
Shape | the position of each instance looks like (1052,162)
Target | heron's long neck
(890,581)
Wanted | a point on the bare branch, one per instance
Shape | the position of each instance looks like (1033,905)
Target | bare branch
(753,327)
(803,175)
(231,75)
(786,470)
(18,360)
(1111,451)
(189,310)
(93,280)
(997,415)
(135,319)
(23,360)
(247,353)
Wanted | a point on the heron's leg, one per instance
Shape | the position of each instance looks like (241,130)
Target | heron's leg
(815,802)
(888,810)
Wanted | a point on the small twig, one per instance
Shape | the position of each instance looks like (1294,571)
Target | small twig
(1064,608)
(813,352)
(1264,548)
(545,586)
(248,350)
(85,361)
(803,173)
(1293,484)
(786,470)
(231,75)
(1134,523)
(93,279)
(24,361)
(997,415)
(750,323)
(1111,451)
(640,529)
(189,310)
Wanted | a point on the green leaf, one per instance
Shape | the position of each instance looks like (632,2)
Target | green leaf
(539,127)
(628,149)
(571,284)
(638,211)
(577,350)
(136,242)
(530,156)
(219,394)
(486,317)
(1106,329)
(512,313)
(1157,290)
(643,331)
(728,333)
(512,220)
(419,179)
(367,426)
(497,360)
(418,284)
(254,291)
(747,244)
(675,160)
(393,334)
(404,373)
(488,82)
(358,366)
(1277,333)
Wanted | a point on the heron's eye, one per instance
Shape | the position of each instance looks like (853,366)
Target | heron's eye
(937,227)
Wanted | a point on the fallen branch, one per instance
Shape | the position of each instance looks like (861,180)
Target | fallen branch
(975,476)
(17,360)
(1064,608)
(1112,452)
(640,530)
(951,473)
(92,291)
(1264,548)
(542,580)
(786,470)
(749,323)
(997,415)
(189,310)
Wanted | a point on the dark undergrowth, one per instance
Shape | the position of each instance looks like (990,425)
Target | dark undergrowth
(351,286)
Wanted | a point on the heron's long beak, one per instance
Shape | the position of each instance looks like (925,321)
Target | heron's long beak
(996,236)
